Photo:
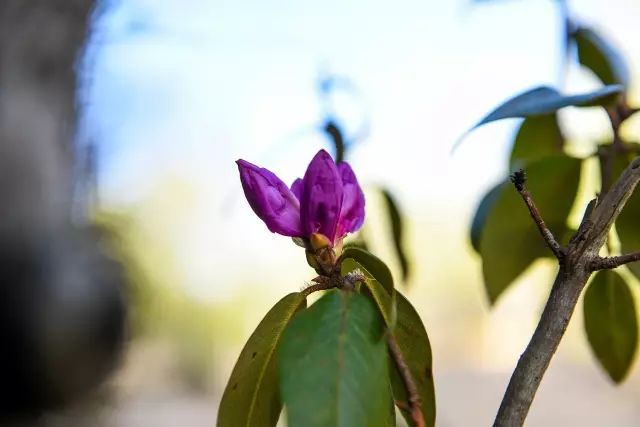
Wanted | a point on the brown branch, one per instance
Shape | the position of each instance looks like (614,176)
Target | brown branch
(415,403)
(518,179)
(606,263)
(323,283)
(572,276)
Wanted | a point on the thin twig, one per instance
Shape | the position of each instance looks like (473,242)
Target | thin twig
(415,403)
(605,263)
(518,179)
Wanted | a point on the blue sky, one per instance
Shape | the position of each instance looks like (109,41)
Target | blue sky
(184,88)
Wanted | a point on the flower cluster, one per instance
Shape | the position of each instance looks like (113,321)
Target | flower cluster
(323,206)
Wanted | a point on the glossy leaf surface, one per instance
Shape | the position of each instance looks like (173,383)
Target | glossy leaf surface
(384,301)
(510,240)
(595,53)
(538,137)
(397,232)
(611,324)
(334,364)
(252,396)
(545,100)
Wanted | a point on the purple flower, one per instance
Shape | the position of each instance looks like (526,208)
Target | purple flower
(328,200)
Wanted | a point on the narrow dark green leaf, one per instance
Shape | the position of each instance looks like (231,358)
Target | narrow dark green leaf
(545,100)
(334,364)
(595,53)
(372,264)
(480,217)
(397,230)
(611,324)
(252,397)
(383,299)
(538,137)
(510,240)
(414,343)
(334,133)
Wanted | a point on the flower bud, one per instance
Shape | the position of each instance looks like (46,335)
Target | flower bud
(270,199)
(319,241)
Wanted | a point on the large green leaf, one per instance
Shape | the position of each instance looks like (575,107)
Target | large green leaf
(595,53)
(397,232)
(538,137)
(510,240)
(371,263)
(611,324)
(414,343)
(383,299)
(334,364)
(480,217)
(545,100)
(252,397)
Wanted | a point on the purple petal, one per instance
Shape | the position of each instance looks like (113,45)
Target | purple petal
(296,188)
(270,199)
(321,199)
(352,214)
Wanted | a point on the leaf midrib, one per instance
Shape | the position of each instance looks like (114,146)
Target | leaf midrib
(342,339)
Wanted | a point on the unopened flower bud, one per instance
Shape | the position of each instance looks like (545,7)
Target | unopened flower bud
(319,241)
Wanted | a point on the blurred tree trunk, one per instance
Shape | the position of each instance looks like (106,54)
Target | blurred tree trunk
(61,305)
(39,45)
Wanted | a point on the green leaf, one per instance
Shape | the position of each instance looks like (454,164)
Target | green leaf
(545,100)
(595,53)
(383,299)
(372,264)
(510,240)
(628,228)
(251,397)
(397,229)
(538,137)
(480,217)
(414,343)
(334,364)
(627,224)
(611,324)
(391,410)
